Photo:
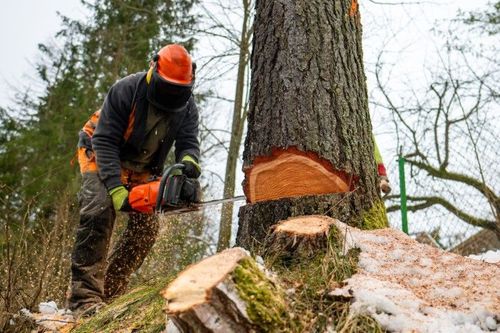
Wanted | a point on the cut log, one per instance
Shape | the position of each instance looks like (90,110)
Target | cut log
(401,281)
(292,173)
(299,238)
(224,293)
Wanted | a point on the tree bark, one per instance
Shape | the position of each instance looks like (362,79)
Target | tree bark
(308,98)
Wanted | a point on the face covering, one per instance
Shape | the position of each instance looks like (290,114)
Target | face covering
(167,96)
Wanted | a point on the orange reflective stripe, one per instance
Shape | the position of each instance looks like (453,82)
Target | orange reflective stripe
(87,164)
(91,124)
(131,121)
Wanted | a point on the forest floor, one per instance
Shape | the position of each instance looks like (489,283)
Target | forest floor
(399,285)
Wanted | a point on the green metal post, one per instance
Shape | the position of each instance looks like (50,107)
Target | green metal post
(402,189)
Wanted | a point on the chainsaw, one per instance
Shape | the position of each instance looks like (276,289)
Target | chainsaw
(171,194)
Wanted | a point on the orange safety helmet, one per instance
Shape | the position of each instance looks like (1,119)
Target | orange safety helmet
(171,78)
(174,64)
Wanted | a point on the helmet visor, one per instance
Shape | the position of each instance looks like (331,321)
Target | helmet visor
(167,96)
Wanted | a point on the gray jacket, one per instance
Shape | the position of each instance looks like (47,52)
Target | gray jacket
(126,97)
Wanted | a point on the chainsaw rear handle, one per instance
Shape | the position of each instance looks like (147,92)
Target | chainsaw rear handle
(167,173)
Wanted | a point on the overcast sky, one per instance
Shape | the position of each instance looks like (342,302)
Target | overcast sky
(25,23)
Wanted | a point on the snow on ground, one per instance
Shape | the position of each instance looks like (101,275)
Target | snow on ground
(493,257)
(411,287)
(50,318)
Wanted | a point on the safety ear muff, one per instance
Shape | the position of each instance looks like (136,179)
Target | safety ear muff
(149,75)
(155,59)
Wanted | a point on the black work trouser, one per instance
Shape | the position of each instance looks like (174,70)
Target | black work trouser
(95,277)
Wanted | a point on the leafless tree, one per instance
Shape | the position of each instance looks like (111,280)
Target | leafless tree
(448,135)
(233,45)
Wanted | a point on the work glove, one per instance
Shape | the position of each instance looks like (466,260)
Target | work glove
(191,167)
(119,196)
(384,185)
(191,191)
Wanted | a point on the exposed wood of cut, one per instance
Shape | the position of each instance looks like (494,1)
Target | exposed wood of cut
(291,173)
(299,237)
(210,296)
(193,286)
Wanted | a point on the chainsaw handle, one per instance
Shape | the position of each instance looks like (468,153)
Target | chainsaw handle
(168,172)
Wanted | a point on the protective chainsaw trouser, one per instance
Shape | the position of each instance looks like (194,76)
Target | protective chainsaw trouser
(93,279)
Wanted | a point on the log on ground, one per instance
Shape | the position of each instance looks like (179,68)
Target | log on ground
(225,293)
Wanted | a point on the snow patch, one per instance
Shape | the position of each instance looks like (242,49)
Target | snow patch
(50,317)
(447,293)
(410,287)
(425,262)
(492,257)
(47,307)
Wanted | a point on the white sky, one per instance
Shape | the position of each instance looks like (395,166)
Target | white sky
(24,24)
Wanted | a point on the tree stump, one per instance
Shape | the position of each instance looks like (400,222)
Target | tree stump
(224,293)
(256,220)
(299,238)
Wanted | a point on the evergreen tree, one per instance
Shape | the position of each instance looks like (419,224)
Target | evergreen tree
(38,137)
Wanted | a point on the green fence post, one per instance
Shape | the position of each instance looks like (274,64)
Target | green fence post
(402,189)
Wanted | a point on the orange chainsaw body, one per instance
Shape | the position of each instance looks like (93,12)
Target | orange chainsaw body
(142,198)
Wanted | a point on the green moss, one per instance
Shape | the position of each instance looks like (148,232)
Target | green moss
(265,302)
(375,217)
(311,305)
(139,310)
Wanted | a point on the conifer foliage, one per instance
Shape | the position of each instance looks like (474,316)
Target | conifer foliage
(38,135)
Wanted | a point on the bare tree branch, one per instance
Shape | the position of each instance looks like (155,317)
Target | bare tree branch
(429,201)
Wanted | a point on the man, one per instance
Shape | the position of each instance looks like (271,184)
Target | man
(123,145)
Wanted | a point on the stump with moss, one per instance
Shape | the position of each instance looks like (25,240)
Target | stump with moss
(227,292)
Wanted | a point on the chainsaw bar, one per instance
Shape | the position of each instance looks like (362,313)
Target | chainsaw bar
(198,206)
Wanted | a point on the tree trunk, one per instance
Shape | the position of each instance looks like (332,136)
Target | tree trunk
(309,147)
(239,116)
